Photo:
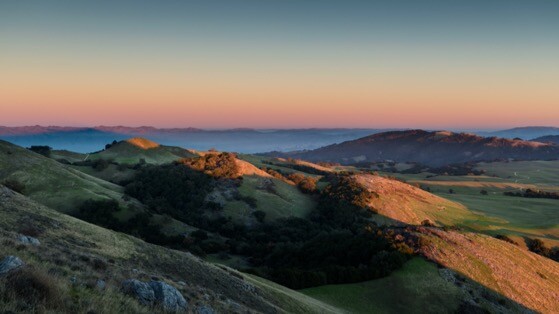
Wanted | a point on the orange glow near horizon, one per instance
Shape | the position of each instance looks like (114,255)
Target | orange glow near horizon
(61,96)
(278,69)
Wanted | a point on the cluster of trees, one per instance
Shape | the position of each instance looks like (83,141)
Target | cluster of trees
(304,183)
(173,189)
(337,244)
(43,150)
(537,246)
(222,165)
(534,194)
(14,185)
(101,212)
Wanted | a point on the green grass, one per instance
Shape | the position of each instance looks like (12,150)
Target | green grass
(416,288)
(68,247)
(53,184)
(285,202)
(545,173)
(293,301)
(503,214)
(126,153)
(67,155)
(283,167)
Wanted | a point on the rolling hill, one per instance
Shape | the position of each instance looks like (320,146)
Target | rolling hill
(548,139)
(430,148)
(74,255)
(520,275)
(405,204)
(133,150)
(52,183)
(88,139)
(526,133)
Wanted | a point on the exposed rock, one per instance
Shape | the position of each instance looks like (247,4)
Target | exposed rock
(181,283)
(168,296)
(27,240)
(100,284)
(10,263)
(140,290)
(204,309)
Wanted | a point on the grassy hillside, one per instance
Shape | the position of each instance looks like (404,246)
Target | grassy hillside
(511,271)
(134,150)
(51,183)
(411,205)
(517,216)
(416,288)
(75,251)
(286,166)
(272,196)
(65,189)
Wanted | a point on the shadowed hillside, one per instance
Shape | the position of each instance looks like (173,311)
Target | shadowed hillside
(548,139)
(429,148)
(74,251)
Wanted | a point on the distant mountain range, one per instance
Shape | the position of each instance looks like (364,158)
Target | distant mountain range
(548,139)
(429,148)
(243,140)
(238,140)
(525,133)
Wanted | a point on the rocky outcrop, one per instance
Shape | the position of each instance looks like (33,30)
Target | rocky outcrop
(156,293)
(10,263)
(27,240)
(168,296)
(139,290)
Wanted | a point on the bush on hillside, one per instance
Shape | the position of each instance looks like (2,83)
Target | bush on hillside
(14,185)
(172,189)
(221,165)
(32,288)
(42,150)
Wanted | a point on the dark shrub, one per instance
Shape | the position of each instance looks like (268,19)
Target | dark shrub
(14,185)
(505,238)
(259,215)
(33,288)
(199,234)
(42,150)
(99,264)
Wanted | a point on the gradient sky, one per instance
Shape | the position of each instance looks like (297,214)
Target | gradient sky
(283,63)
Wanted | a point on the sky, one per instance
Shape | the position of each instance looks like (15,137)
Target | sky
(280,63)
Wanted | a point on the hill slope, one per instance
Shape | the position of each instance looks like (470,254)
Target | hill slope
(520,275)
(74,249)
(411,205)
(526,133)
(51,183)
(134,150)
(547,139)
(429,148)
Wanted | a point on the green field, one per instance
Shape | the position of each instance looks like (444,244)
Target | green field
(510,215)
(416,288)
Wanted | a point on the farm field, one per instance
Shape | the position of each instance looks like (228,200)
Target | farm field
(516,216)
